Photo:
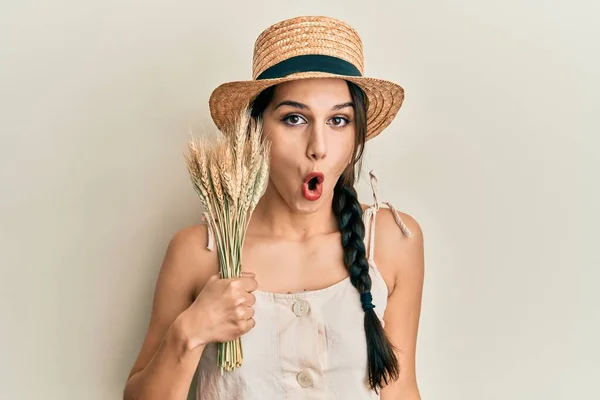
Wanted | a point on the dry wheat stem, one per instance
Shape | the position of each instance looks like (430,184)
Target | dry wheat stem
(229,175)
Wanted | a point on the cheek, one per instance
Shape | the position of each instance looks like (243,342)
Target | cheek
(280,157)
(286,148)
(342,149)
(285,156)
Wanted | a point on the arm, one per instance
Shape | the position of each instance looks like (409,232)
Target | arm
(404,261)
(165,366)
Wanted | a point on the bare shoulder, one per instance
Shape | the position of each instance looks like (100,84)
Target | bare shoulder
(397,255)
(386,222)
(188,257)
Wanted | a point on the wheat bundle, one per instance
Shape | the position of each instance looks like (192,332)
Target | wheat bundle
(229,174)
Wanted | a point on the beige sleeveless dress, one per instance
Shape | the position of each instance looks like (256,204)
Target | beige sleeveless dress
(306,345)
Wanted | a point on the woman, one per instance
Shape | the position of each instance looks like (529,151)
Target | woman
(324,313)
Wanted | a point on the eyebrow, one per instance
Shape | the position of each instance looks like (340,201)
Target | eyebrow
(291,103)
(340,106)
(301,106)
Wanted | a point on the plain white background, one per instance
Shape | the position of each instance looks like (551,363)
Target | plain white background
(494,153)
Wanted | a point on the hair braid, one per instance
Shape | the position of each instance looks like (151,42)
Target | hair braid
(382,362)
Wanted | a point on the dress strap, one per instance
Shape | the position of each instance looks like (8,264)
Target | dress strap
(398,220)
(370,218)
(373,180)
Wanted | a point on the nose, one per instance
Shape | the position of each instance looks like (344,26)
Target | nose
(317,144)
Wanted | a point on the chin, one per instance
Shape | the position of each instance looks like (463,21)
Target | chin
(304,206)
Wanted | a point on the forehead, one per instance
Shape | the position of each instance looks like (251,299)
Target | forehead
(324,91)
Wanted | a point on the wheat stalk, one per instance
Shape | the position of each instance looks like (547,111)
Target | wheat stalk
(229,175)
(261,178)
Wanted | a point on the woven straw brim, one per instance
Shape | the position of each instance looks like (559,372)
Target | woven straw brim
(385,98)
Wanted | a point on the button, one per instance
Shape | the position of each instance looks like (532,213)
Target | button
(304,379)
(301,308)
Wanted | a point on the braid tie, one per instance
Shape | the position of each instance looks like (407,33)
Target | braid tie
(366,299)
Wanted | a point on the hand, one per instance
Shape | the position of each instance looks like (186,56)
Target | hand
(222,311)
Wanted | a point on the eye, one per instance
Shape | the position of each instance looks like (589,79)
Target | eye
(293,119)
(339,121)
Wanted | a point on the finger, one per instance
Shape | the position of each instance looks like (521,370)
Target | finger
(249,324)
(214,277)
(242,313)
(249,284)
(244,298)
(249,312)
(249,299)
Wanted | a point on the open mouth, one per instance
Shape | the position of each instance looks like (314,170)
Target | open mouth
(313,186)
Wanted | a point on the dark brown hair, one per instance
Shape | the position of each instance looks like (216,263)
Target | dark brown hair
(382,362)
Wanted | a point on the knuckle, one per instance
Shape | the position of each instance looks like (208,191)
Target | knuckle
(239,312)
(232,287)
(240,300)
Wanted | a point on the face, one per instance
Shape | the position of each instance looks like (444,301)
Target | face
(310,124)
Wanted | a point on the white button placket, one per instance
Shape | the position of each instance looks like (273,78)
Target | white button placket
(301,307)
(301,347)
(305,379)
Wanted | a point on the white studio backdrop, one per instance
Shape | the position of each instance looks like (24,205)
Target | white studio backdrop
(494,153)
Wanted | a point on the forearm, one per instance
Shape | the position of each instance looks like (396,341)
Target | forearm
(169,374)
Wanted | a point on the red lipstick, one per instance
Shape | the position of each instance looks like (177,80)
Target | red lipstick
(313,186)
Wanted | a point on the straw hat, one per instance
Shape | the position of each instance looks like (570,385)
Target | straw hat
(308,47)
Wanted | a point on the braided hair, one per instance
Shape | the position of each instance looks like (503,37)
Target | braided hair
(383,367)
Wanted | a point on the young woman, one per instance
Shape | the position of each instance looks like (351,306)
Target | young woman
(328,307)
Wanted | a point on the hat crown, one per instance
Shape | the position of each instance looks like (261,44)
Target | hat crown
(307,36)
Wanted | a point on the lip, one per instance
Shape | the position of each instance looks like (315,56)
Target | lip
(314,194)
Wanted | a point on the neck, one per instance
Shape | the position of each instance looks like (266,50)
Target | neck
(273,216)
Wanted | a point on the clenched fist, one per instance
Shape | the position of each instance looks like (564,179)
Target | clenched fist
(222,311)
